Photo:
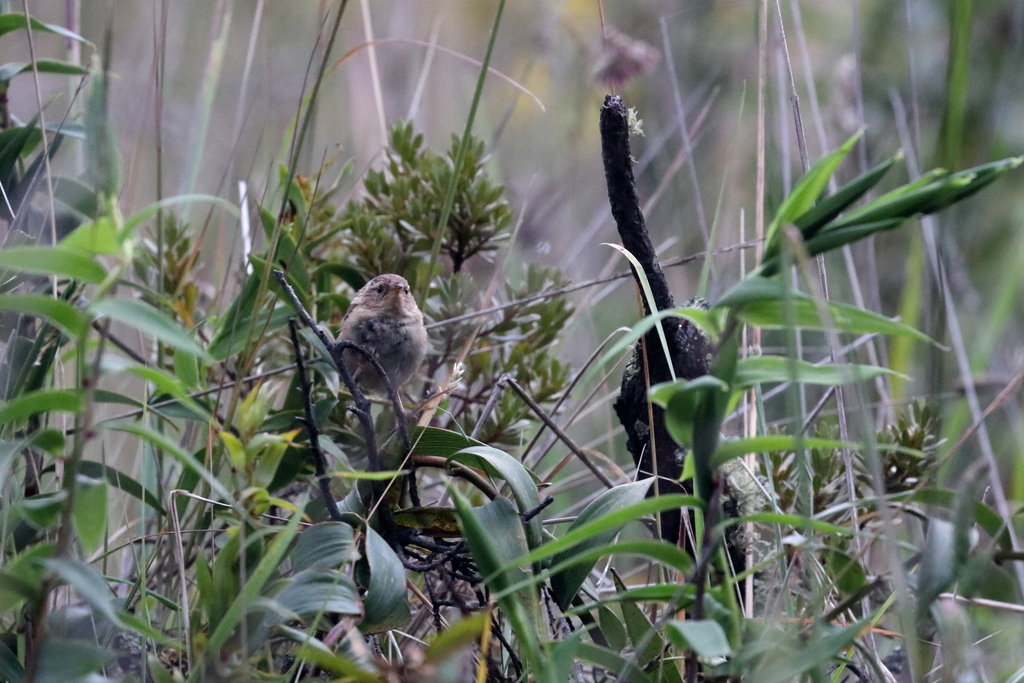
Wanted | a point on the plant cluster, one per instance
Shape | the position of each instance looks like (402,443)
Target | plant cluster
(283,528)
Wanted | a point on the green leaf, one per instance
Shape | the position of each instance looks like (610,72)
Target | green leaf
(621,668)
(51,66)
(318,591)
(57,311)
(682,403)
(386,604)
(122,482)
(770,369)
(608,521)
(500,464)
(269,562)
(564,585)
(442,443)
(42,510)
(96,237)
(805,193)
(12,21)
(760,301)
(649,298)
(53,261)
(703,636)
(324,546)
(831,206)
(89,513)
(70,661)
(161,442)
(88,583)
(482,527)
(730,449)
(42,401)
(143,317)
(11,669)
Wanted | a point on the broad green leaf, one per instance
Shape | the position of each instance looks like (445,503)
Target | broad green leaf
(42,510)
(386,604)
(42,401)
(830,238)
(56,311)
(481,527)
(760,301)
(608,521)
(830,207)
(770,369)
(647,641)
(442,443)
(21,578)
(70,660)
(89,513)
(671,556)
(269,563)
(611,627)
(10,667)
(682,401)
(12,21)
(50,66)
(620,667)
(318,591)
(53,261)
(162,442)
(88,584)
(772,314)
(325,546)
(931,197)
(122,482)
(806,191)
(734,448)
(143,317)
(564,585)
(703,636)
(96,237)
(500,464)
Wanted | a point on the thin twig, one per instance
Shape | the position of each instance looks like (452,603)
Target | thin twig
(322,478)
(553,426)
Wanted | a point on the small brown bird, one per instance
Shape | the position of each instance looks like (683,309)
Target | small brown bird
(383,319)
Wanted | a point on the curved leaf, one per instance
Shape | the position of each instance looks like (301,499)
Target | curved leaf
(385,604)
(56,311)
(146,319)
(327,545)
(522,482)
(57,260)
(767,369)
(43,401)
(122,482)
(565,584)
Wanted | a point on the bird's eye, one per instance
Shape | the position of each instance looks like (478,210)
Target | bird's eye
(407,290)
(381,289)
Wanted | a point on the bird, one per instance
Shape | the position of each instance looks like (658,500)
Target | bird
(383,319)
